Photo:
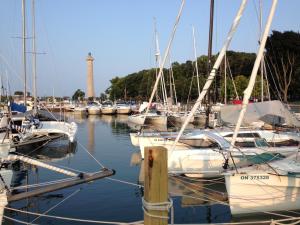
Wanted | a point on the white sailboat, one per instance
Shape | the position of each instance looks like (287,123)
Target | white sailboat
(158,119)
(261,188)
(271,187)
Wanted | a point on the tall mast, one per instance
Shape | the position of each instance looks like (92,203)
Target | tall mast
(196,63)
(24,49)
(157,55)
(249,89)
(262,59)
(225,79)
(160,73)
(216,66)
(34,59)
(158,61)
(211,27)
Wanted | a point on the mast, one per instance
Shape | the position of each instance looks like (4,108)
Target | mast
(24,49)
(166,55)
(34,59)
(216,66)
(158,61)
(196,63)
(249,89)
(262,59)
(157,55)
(225,79)
(1,86)
(209,53)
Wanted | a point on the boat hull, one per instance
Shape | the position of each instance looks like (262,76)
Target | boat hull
(137,119)
(108,111)
(258,192)
(94,111)
(156,120)
(124,110)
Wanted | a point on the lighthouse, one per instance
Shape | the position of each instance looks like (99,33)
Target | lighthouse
(90,76)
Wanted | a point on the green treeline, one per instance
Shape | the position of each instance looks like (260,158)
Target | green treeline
(282,66)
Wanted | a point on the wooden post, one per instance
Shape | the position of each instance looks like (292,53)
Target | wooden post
(156,183)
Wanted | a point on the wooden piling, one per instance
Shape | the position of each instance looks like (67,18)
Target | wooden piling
(156,183)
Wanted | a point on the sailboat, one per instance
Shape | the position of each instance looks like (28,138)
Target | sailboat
(273,186)
(6,159)
(36,129)
(154,117)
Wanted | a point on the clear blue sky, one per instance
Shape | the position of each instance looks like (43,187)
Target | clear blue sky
(120,36)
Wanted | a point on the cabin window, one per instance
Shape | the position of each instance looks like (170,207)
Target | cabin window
(245,135)
(245,144)
(261,142)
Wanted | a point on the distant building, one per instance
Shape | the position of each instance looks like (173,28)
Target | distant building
(90,77)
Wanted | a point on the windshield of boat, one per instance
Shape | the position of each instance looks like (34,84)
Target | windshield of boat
(261,142)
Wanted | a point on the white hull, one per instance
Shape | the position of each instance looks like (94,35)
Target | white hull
(156,120)
(206,161)
(260,191)
(195,138)
(198,163)
(94,111)
(137,119)
(46,127)
(80,111)
(123,110)
(108,111)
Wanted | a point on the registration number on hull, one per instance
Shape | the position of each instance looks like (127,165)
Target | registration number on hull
(255,177)
(159,139)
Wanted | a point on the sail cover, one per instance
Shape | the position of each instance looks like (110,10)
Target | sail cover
(18,107)
(270,112)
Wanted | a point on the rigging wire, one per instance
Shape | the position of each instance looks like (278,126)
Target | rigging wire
(53,207)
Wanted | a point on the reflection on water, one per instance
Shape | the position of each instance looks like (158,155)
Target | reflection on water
(107,139)
(195,196)
(91,134)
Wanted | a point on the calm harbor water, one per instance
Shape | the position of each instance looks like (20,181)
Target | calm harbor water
(107,139)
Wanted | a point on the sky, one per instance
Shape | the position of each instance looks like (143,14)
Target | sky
(120,36)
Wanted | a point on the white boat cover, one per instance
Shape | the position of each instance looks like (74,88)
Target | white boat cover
(271,112)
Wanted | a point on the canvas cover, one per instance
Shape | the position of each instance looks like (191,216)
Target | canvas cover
(270,112)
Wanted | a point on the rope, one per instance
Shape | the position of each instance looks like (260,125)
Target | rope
(158,206)
(41,184)
(69,218)
(51,163)
(75,192)
(18,221)
(84,148)
(124,182)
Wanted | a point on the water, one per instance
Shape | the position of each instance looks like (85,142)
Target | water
(107,139)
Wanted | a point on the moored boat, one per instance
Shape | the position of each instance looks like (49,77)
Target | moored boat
(260,188)
(108,108)
(123,108)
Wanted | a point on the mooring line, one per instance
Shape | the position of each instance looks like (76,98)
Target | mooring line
(75,192)
(84,148)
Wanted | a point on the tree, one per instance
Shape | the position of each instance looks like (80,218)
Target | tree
(103,97)
(139,85)
(78,95)
(283,57)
